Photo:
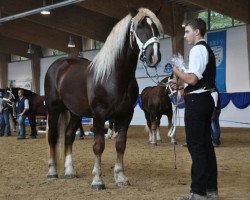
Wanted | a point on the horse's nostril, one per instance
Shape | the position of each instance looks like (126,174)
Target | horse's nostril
(154,60)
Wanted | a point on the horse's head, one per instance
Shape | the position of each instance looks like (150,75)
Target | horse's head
(145,30)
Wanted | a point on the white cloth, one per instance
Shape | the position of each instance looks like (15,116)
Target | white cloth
(215,96)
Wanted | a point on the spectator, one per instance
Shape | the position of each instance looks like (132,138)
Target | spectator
(22,106)
(215,125)
(4,121)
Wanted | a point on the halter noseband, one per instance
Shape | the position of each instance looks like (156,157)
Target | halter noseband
(141,46)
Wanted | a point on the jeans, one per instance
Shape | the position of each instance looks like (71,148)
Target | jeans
(215,125)
(5,123)
(21,125)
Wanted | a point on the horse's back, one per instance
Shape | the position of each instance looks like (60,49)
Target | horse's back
(37,105)
(156,99)
(66,82)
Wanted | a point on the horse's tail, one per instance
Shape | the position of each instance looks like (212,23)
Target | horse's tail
(60,145)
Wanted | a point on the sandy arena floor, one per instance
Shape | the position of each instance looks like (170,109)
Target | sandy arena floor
(23,169)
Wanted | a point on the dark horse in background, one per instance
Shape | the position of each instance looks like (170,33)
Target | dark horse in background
(103,89)
(155,103)
(36,106)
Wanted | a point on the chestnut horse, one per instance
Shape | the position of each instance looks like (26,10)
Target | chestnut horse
(155,103)
(103,89)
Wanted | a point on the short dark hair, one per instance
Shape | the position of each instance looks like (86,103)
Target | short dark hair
(197,23)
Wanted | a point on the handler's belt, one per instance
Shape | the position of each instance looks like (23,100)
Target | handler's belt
(205,90)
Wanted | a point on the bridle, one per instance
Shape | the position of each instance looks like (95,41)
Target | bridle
(142,47)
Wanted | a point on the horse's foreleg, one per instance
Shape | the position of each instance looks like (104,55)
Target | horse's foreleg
(121,140)
(70,137)
(52,139)
(32,120)
(98,148)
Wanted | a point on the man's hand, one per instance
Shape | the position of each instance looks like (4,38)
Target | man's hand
(174,85)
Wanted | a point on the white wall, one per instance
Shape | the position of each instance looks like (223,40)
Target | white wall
(237,76)
(20,70)
(237,70)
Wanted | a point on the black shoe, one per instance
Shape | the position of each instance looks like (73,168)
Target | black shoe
(216,144)
(21,137)
(32,137)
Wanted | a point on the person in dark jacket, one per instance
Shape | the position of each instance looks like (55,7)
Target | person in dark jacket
(22,106)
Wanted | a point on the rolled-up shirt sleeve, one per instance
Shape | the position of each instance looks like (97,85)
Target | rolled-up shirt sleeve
(198,59)
(26,104)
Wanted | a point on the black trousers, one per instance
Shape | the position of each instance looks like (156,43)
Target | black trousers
(198,113)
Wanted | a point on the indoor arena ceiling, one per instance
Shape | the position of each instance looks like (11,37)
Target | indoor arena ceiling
(93,19)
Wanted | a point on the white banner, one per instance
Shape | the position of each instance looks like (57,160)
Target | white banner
(26,84)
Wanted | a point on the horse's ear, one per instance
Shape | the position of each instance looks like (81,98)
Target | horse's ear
(158,11)
(132,10)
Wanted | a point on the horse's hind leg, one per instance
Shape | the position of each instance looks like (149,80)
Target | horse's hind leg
(158,136)
(98,148)
(52,139)
(121,140)
(148,128)
(70,137)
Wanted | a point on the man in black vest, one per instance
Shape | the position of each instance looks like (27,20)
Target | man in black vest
(22,106)
(199,81)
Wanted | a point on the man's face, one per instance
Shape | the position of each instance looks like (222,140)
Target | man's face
(190,34)
(20,93)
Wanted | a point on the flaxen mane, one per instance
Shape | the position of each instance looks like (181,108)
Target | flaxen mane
(104,61)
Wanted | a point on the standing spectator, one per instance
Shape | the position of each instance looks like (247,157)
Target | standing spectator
(5,123)
(215,125)
(199,80)
(22,106)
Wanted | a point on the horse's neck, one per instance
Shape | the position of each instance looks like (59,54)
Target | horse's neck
(127,62)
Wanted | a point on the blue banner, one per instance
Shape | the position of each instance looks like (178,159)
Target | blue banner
(217,42)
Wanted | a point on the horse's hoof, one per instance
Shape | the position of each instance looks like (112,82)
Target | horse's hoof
(70,176)
(153,144)
(159,141)
(51,177)
(123,184)
(98,187)
(173,141)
